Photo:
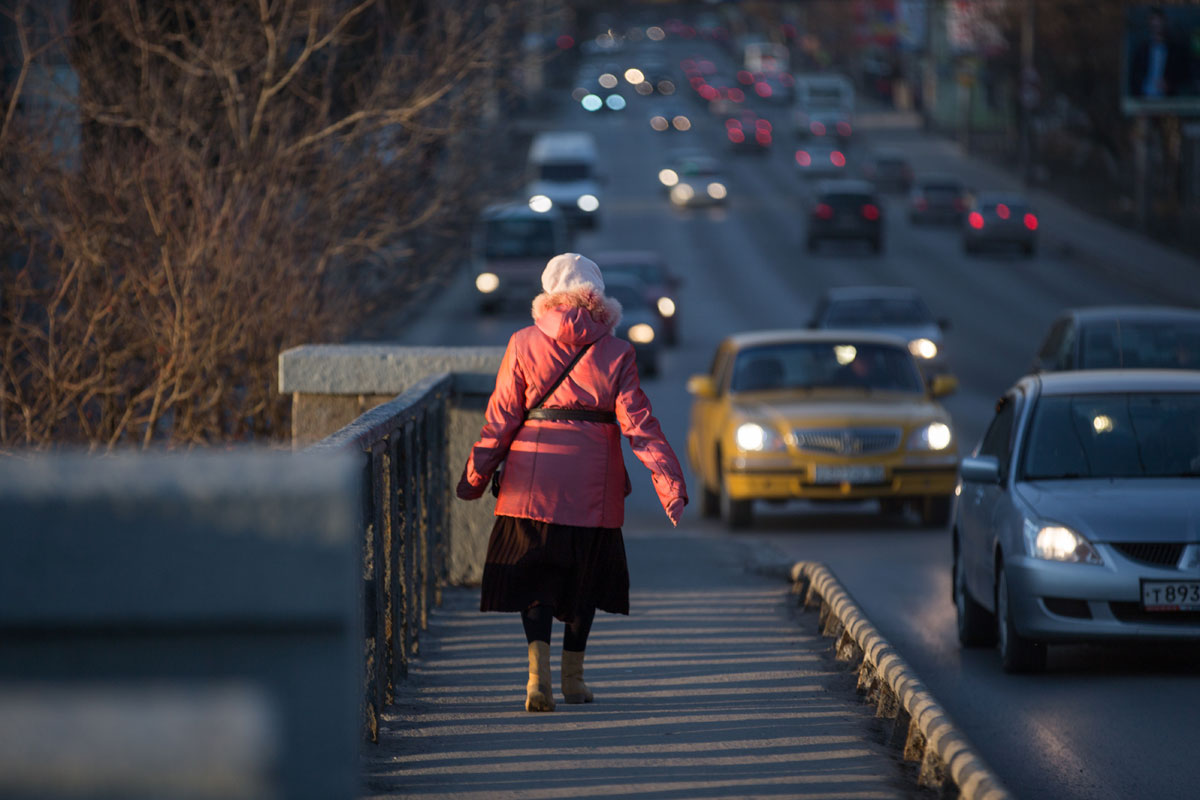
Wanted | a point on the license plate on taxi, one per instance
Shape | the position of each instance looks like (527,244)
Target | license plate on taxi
(1171,595)
(859,473)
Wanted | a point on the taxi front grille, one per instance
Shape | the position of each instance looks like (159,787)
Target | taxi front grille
(848,441)
(1163,554)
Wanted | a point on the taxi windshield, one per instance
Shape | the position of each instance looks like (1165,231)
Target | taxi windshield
(826,365)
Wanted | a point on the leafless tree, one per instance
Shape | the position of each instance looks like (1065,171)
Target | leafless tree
(189,186)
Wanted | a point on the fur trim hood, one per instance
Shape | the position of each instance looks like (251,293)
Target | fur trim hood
(576,316)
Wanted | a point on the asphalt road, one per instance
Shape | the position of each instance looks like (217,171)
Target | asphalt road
(1102,723)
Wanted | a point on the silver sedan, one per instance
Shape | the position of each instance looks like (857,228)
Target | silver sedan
(1078,517)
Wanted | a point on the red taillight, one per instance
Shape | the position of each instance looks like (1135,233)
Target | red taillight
(763,125)
(709,92)
(803,158)
(870,211)
(732,123)
(696,81)
(823,211)
(736,135)
(745,77)
(837,159)
(1031,222)
(762,89)
(735,94)
(976,220)
(843,128)
(1002,211)
(762,137)
(817,128)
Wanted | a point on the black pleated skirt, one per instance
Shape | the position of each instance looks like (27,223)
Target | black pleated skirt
(570,568)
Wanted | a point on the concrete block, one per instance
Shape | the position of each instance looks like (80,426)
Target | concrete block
(190,573)
(380,369)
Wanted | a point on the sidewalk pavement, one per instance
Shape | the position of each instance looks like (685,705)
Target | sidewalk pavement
(713,687)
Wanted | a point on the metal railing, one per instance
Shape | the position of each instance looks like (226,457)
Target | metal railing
(403,446)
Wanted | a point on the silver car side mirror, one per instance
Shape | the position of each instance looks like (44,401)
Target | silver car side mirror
(980,469)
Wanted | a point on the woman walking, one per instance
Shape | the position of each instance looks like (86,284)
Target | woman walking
(566,391)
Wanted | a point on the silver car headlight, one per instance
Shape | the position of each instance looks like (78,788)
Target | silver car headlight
(751,437)
(935,436)
(1059,543)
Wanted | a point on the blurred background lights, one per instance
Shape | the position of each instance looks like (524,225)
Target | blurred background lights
(655,33)
(591,102)
(634,76)
(1102,423)
(540,203)
(588,202)
(615,102)
(608,80)
(845,353)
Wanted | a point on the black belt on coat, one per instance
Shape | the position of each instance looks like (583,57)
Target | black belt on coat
(573,415)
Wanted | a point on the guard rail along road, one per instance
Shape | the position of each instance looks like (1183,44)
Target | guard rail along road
(920,726)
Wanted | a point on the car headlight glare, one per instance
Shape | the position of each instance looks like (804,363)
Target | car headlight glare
(668,177)
(682,193)
(716,190)
(1059,543)
(588,203)
(641,333)
(751,437)
(666,306)
(487,282)
(934,436)
(923,348)
(540,203)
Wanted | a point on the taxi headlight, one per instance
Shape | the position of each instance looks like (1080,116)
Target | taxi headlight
(751,437)
(934,436)
(923,348)
(716,190)
(588,202)
(487,282)
(1059,543)
(668,177)
(641,333)
(666,306)
(540,203)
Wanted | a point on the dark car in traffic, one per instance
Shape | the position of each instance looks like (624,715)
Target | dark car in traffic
(845,210)
(1122,337)
(889,170)
(660,286)
(937,199)
(897,310)
(748,132)
(1000,219)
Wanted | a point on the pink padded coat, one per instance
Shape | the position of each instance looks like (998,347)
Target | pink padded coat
(569,472)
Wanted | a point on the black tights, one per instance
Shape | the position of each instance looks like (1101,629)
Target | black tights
(538,619)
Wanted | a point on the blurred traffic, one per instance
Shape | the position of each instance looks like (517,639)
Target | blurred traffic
(828,294)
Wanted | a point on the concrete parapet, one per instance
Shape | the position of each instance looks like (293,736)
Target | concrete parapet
(180,625)
(332,385)
(947,762)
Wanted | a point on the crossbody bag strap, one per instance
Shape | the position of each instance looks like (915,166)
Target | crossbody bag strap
(546,395)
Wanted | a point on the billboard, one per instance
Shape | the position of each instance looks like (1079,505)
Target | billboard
(1161,72)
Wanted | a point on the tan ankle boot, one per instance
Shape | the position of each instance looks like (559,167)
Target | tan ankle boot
(539,692)
(571,675)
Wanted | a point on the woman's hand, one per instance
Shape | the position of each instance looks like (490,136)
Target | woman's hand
(466,491)
(675,509)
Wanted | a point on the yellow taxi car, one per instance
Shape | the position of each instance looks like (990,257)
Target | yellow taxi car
(820,415)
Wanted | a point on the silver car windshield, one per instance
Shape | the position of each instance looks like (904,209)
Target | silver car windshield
(826,365)
(1113,436)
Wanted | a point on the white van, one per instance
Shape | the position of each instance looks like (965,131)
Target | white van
(824,105)
(562,175)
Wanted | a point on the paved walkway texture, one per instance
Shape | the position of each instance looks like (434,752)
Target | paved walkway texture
(713,687)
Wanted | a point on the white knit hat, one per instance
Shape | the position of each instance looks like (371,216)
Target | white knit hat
(570,271)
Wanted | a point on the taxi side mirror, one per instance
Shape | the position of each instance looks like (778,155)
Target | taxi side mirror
(943,385)
(702,387)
